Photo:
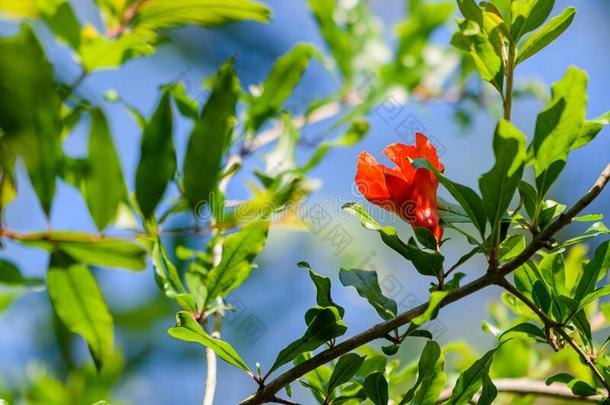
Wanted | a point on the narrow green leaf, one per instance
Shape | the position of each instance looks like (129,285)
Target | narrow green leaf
(189,330)
(465,196)
(347,367)
(498,186)
(30,111)
(64,24)
(597,229)
(545,35)
(157,164)
(426,263)
(279,85)
(238,252)
(469,382)
(210,138)
(104,185)
(162,14)
(366,284)
(90,249)
(436,297)
(541,296)
(79,304)
(376,388)
(322,284)
(430,378)
(527,15)
(10,276)
(578,387)
(326,325)
(527,328)
(489,392)
(558,126)
(593,271)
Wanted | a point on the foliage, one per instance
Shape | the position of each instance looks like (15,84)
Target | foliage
(553,299)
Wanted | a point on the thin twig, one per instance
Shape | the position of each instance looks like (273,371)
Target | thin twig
(266,393)
(524,386)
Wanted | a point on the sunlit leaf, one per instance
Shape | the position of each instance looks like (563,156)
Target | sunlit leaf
(366,284)
(189,330)
(79,304)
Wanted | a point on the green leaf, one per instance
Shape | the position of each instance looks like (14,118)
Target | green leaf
(545,35)
(590,129)
(338,41)
(578,387)
(376,388)
(558,126)
(326,325)
(470,10)
(367,286)
(167,275)
(511,247)
(541,296)
(465,196)
(10,276)
(322,284)
(210,138)
(347,367)
(469,382)
(279,85)
(498,186)
(436,297)
(487,60)
(157,164)
(103,185)
(527,15)
(426,238)
(79,303)
(97,51)
(430,378)
(188,330)
(489,392)
(594,270)
(426,263)
(527,328)
(90,249)
(162,14)
(30,111)
(597,229)
(64,24)
(238,252)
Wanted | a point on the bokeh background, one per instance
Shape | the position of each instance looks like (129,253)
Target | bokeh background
(271,303)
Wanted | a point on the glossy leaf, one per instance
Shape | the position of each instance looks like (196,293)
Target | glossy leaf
(471,380)
(499,185)
(326,325)
(426,263)
(579,388)
(430,377)
(545,35)
(238,252)
(527,328)
(157,164)
(323,297)
(594,270)
(527,15)
(376,388)
(279,85)
(590,129)
(558,126)
(436,298)
(347,367)
(366,284)
(79,303)
(189,330)
(210,138)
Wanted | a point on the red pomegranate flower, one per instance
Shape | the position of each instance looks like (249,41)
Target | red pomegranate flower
(404,190)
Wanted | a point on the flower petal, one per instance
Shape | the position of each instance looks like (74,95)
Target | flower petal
(425,149)
(370,178)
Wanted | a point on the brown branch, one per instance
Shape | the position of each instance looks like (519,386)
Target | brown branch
(266,393)
(524,386)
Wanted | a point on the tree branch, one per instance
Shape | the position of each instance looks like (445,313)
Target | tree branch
(523,386)
(267,392)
